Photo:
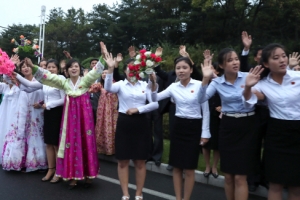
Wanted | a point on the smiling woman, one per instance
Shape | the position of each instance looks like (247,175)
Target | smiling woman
(77,156)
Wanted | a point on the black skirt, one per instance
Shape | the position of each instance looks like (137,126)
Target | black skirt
(185,140)
(282,152)
(214,126)
(52,121)
(133,137)
(238,144)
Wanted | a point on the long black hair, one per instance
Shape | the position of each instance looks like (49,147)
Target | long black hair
(266,54)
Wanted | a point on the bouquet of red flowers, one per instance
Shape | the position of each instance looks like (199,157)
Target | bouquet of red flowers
(6,65)
(143,64)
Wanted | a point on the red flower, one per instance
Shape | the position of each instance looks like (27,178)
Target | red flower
(143,63)
(131,75)
(153,56)
(143,57)
(293,83)
(138,76)
(131,67)
(142,51)
(158,59)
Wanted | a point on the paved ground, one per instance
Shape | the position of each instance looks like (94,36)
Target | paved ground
(27,186)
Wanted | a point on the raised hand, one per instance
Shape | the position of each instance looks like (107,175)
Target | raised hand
(103,49)
(254,76)
(182,51)
(118,59)
(108,58)
(131,52)
(15,59)
(207,55)
(28,62)
(247,40)
(67,54)
(159,51)
(294,59)
(207,69)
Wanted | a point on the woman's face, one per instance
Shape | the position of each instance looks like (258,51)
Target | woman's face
(51,67)
(62,65)
(277,61)
(183,70)
(231,63)
(43,64)
(74,70)
(103,76)
(26,71)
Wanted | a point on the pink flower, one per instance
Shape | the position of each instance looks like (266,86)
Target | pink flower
(45,76)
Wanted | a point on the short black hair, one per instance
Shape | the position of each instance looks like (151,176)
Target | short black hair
(94,59)
(55,63)
(69,64)
(256,50)
(185,59)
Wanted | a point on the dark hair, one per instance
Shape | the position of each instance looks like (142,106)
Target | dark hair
(266,54)
(223,54)
(20,67)
(94,59)
(42,60)
(185,59)
(69,64)
(217,68)
(255,52)
(129,60)
(55,63)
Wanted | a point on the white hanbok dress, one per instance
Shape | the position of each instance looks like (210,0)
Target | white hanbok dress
(8,109)
(24,144)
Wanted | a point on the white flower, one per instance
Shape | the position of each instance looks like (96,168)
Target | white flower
(34,47)
(133,79)
(137,62)
(148,53)
(149,71)
(142,75)
(138,57)
(149,63)
(35,40)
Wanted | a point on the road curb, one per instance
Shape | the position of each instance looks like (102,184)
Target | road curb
(217,182)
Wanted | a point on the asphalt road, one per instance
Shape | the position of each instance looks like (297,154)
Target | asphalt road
(28,186)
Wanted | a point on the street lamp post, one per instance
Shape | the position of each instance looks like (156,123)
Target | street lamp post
(42,32)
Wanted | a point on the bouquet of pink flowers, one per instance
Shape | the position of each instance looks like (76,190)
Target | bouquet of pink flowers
(6,65)
(143,64)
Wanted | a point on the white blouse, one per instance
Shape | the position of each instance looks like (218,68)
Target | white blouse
(283,100)
(131,96)
(52,97)
(186,101)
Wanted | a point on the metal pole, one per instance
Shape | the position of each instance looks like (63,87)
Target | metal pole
(40,37)
(43,13)
(43,26)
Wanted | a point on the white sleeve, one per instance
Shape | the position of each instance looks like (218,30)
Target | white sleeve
(151,105)
(205,120)
(109,86)
(28,83)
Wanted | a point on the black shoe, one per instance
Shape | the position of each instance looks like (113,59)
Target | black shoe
(206,174)
(169,168)
(157,163)
(252,187)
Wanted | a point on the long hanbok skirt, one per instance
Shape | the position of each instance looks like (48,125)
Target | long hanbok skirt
(80,154)
(8,110)
(107,115)
(24,143)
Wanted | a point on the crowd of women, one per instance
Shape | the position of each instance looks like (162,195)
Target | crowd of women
(49,122)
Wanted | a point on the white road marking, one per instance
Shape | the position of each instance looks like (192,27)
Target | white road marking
(131,186)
